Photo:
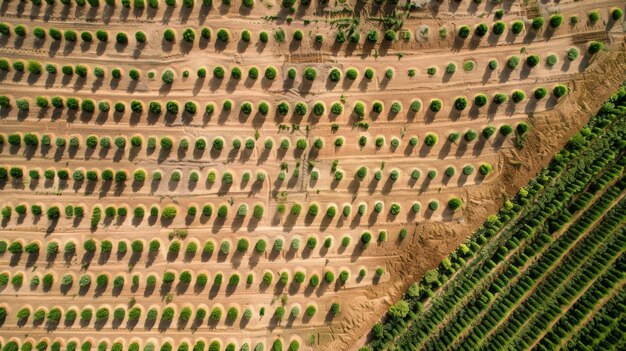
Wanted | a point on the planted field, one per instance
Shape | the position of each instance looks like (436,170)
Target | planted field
(273,175)
(546,272)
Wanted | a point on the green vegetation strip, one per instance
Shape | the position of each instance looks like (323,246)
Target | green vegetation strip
(607,329)
(484,267)
(597,272)
(574,318)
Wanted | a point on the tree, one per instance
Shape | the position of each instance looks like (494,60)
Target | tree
(430,140)
(34,67)
(559,90)
(485,169)
(454,204)
(436,105)
(499,98)
(310,73)
(53,213)
(556,20)
(310,311)
(168,314)
(400,309)
(572,54)
(517,27)
(189,35)
(513,62)
(223,35)
(540,93)
(260,246)
(464,32)
(533,60)
(481,30)
(102,314)
(167,77)
(460,103)
(366,237)
(518,96)
(595,47)
(480,100)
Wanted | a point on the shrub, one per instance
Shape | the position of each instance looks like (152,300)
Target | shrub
(481,29)
(513,62)
(485,169)
(235,72)
(267,278)
(140,37)
(310,310)
(470,135)
(480,100)
(223,35)
(593,17)
(464,32)
(169,35)
(34,67)
(572,54)
(556,20)
(533,60)
(518,96)
(552,60)
(595,47)
(488,131)
(134,74)
(506,129)
(433,205)
(436,105)
(559,90)
(121,38)
(69,35)
(189,35)
(22,104)
(498,28)
(167,77)
(430,139)
(334,75)
(517,27)
(300,109)
(460,103)
(169,212)
(298,35)
(310,73)
(499,98)
(372,36)
(540,93)
(468,170)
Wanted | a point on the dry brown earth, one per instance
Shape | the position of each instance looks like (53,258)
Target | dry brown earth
(363,300)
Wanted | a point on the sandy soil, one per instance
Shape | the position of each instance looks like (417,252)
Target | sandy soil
(432,234)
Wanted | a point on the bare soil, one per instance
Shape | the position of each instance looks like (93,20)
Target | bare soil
(431,234)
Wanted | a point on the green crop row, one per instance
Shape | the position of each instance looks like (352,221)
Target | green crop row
(584,156)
